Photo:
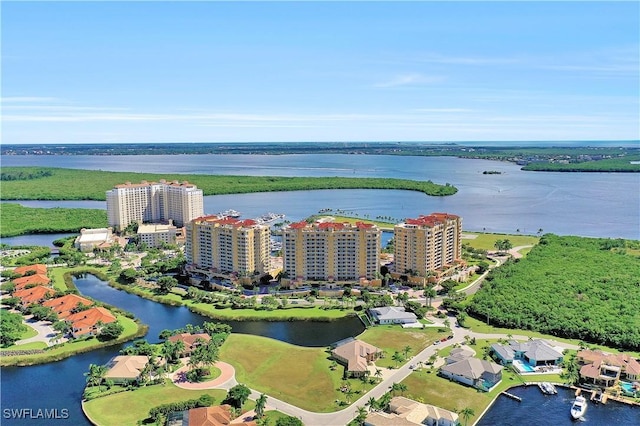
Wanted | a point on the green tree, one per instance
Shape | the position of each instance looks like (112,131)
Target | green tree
(289,421)
(128,275)
(466,414)
(110,331)
(372,404)
(406,350)
(96,374)
(11,328)
(238,395)
(261,403)
(166,284)
(397,357)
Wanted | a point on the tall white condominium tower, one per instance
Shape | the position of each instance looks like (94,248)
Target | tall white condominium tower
(148,202)
(226,245)
(331,251)
(427,243)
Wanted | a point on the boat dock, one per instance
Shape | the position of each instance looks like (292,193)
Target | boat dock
(598,396)
(512,396)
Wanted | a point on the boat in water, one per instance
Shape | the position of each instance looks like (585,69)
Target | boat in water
(269,217)
(230,213)
(579,407)
(547,388)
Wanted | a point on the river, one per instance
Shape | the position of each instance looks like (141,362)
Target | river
(586,204)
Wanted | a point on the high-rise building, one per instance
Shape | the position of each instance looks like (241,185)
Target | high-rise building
(331,251)
(149,202)
(427,243)
(225,245)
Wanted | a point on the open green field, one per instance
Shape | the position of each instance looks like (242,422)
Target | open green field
(392,338)
(353,220)
(298,375)
(127,408)
(486,241)
(72,184)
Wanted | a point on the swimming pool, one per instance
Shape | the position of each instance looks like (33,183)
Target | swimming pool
(522,367)
(627,387)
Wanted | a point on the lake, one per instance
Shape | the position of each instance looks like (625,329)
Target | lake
(586,204)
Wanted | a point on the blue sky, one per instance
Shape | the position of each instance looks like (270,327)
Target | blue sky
(319,71)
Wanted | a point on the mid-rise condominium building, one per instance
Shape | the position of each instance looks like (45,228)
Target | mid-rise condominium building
(148,202)
(330,251)
(223,245)
(427,243)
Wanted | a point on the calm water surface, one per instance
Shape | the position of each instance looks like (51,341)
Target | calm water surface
(539,409)
(587,204)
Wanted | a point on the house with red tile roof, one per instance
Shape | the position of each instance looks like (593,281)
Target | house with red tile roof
(88,321)
(64,305)
(218,415)
(38,268)
(606,369)
(191,341)
(31,281)
(33,295)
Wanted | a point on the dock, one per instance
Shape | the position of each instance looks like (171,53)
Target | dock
(512,396)
(598,396)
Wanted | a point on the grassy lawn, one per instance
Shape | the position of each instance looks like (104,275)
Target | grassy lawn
(310,313)
(26,346)
(298,375)
(127,408)
(382,225)
(487,241)
(31,332)
(214,373)
(392,338)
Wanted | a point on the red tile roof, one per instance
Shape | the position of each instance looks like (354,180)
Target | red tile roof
(219,415)
(85,321)
(38,268)
(65,304)
(431,220)
(33,294)
(38,279)
(298,225)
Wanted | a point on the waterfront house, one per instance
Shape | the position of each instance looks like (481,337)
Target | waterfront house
(29,296)
(474,372)
(191,341)
(31,281)
(458,354)
(126,368)
(406,412)
(67,304)
(604,369)
(38,268)
(534,352)
(89,321)
(392,315)
(355,355)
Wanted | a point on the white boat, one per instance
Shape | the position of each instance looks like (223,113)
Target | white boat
(230,213)
(270,217)
(579,407)
(547,388)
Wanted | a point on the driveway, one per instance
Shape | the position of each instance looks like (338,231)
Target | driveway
(44,329)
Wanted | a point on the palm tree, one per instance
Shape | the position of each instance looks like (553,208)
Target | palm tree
(95,374)
(429,294)
(397,358)
(372,404)
(466,414)
(362,414)
(378,373)
(406,350)
(399,387)
(261,402)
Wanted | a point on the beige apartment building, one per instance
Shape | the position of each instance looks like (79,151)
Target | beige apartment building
(330,251)
(148,202)
(428,243)
(223,245)
(156,234)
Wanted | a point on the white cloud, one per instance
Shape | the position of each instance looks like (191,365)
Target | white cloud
(26,99)
(410,79)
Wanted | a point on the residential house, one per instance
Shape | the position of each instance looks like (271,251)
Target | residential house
(355,355)
(65,305)
(458,354)
(534,352)
(38,268)
(218,415)
(191,341)
(474,372)
(126,368)
(407,412)
(31,281)
(29,296)
(89,321)
(604,369)
(392,315)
